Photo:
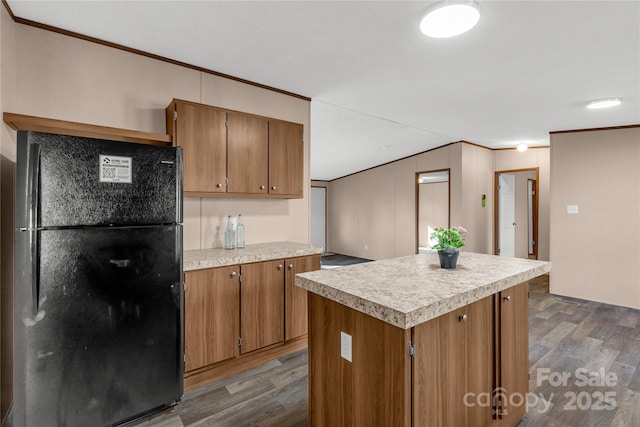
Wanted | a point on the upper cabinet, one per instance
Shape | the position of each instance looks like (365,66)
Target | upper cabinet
(234,154)
(202,133)
(248,149)
(286,149)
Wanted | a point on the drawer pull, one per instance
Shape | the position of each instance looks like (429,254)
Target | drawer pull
(507,298)
(462,318)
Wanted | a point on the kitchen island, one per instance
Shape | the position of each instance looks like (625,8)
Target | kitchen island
(403,342)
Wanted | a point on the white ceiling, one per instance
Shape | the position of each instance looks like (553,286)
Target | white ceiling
(380,89)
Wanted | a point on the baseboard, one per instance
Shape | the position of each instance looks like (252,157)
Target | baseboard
(227,368)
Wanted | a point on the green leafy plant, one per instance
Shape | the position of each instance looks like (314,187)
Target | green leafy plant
(449,237)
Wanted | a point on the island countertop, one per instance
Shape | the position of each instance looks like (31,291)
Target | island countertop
(410,290)
(197,259)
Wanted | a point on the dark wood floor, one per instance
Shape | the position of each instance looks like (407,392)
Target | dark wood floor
(331,260)
(566,337)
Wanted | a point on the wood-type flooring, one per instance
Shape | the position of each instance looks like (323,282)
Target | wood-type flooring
(331,260)
(584,362)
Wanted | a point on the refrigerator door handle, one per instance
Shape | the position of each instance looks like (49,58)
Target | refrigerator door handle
(33,185)
(35,271)
(33,196)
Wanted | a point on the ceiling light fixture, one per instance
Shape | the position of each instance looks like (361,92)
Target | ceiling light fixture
(522,147)
(604,103)
(450,18)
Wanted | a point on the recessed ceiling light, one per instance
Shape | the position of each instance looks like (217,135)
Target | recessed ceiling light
(522,147)
(604,103)
(450,18)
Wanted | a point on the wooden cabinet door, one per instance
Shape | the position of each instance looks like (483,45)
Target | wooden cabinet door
(248,154)
(262,305)
(453,357)
(211,316)
(286,160)
(296,298)
(480,362)
(513,351)
(202,134)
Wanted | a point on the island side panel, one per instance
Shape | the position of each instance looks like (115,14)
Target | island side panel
(375,387)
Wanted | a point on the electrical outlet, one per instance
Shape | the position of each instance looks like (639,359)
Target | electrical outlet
(366,247)
(345,346)
(572,209)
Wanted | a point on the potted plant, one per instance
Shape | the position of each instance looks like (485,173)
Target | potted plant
(449,240)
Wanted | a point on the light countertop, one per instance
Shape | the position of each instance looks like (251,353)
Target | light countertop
(207,258)
(410,290)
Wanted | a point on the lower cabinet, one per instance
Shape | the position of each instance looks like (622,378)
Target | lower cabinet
(262,305)
(512,353)
(230,312)
(471,366)
(453,367)
(212,324)
(296,298)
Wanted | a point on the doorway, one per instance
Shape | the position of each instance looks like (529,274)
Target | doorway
(318,206)
(432,206)
(516,213)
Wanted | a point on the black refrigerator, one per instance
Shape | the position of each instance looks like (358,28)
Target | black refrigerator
(98,290)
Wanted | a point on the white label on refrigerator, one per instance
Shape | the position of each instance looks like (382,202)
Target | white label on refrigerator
(115,168)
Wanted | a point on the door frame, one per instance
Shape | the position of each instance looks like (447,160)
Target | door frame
(417,185)
(496,207)
(534,215)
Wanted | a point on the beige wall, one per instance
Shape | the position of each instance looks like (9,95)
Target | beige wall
(71,79)
(7,163)
(532,158)
(372,214)
(354,228)
(595,253)
(433,209)
(477,171)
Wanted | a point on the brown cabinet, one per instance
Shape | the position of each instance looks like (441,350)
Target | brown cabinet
(512,356)
(233,154)
(211,320)
(262,305)
(286,151)
(232,311)
(453,357)
(295,297)
(202,133)
(247,154)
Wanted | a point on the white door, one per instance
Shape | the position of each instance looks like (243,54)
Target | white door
(507,214)
(318,217)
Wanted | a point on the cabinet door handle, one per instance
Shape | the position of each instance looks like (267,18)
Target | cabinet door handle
(219,185)
(279,266)
(262,187)
(290,266)
(507,298)
(462,318)
(274,187)
(233,274)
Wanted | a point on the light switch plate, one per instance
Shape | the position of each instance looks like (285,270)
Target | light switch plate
(572,209)
(345,346)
